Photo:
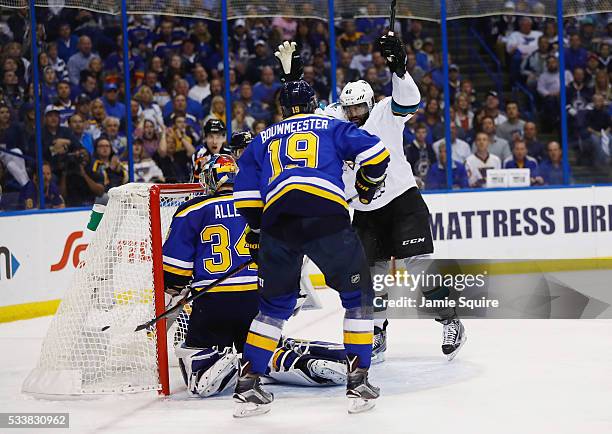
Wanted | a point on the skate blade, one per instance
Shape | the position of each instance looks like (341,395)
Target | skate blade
(452,355)
(360,405)
(378,358)
(248,409)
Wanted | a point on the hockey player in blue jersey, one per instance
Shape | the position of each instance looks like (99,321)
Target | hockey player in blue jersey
(206,238)
(290,190)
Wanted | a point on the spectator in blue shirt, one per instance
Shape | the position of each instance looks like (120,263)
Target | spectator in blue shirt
(436,177)
(112,105)
(551,169)
(254,108)
(28,197)
(66,43)
(520,160)
(575,55)
(194,108)
(264,91)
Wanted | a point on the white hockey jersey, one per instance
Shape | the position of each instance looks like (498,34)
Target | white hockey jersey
(389,127)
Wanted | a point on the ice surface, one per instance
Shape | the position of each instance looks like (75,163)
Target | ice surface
(512,376)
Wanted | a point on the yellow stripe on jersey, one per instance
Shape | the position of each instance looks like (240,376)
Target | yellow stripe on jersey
(308,189)
(376,158)
(248,203)
(261,342)
(199,205)
(277,354)
(358,338)
(240,287)
(176,270)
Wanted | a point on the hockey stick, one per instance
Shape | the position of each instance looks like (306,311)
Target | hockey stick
(193,297)
(392,18)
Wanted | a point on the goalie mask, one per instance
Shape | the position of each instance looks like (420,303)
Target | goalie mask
(357,100)
(220,170)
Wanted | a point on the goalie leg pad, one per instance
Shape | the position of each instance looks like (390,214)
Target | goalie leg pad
(206,371)
(289,367)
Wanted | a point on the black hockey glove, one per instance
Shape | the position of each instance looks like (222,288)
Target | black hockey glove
(252,243)
(366,187)
(394,51)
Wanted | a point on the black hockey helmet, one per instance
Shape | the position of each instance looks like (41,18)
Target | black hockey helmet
(297,97)
(240,140)
(214,126)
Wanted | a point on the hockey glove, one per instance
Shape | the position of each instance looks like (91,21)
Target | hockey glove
(366,187)
(394,51)
(291,62)
(252,243)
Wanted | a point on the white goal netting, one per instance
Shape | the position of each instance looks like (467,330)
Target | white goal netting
(91,346)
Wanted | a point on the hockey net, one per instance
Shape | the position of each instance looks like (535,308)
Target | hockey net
(91,347)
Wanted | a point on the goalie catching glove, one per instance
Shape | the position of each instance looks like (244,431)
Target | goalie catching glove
(291,63)
(367,187)
(393,50)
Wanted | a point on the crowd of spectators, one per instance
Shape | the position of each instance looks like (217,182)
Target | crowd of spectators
(176,78)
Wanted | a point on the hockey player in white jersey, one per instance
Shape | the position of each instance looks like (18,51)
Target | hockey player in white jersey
(396,222)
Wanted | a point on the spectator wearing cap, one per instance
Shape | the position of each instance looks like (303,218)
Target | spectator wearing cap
(454,81)
(63,103)
(201,89)
(436,177)
(521,160)
(112,105)
(194,108)
(534,64)
(257,62)
(575,55)
(265,90)
(492,108)
(548,91)
(497,145)
(349,36)
(28,197)
(79,61)
(56,139)
(461,150)
(363,58)
(56,62)
(67,43)
(241,43)
(477,164)
(77,126)
(551,169)
(48,86)
(513,127)
(350,74)
(535,148)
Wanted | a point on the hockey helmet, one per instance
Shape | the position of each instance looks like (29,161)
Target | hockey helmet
(239,142)
(297,97)
(357,100)
(220,170)
(214,126)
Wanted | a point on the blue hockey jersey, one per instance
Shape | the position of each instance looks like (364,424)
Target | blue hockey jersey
(295,167)
(206,239)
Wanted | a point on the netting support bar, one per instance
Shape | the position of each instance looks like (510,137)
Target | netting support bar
(447,119)
(226,70)
(37,108)
(332,49)
(158,289)
(127,89)
(562,94)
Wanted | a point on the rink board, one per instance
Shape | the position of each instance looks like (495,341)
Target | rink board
(39,251)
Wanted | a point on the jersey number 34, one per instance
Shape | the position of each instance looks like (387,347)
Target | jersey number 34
(220,243)
(297,150)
